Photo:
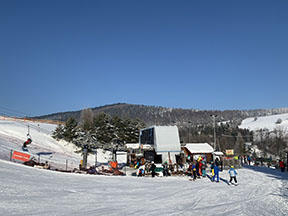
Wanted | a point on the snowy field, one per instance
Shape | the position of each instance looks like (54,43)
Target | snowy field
(31,191)
(268,122)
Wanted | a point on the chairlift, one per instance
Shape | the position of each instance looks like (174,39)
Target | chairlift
(29,138)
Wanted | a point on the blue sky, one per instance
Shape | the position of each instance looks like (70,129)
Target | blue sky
(68,55)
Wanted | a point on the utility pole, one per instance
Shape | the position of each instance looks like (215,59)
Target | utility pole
(214,135)
(189,130)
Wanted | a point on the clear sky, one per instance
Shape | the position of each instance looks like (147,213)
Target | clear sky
(60,56)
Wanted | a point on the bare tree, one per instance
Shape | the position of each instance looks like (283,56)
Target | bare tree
(86,119)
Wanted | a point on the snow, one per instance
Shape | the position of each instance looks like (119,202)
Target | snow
(13,133)
(268,122)
(30,191)
(199,148)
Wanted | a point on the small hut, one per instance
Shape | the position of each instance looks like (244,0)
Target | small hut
(195,150)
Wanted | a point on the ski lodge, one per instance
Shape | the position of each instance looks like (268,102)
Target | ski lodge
(195,150)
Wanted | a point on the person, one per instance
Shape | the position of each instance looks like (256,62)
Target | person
(197,168)
(204,169)
(249,160)
(217,161)
(282,166)
(200,167)
(141,172)
(194,172)
(46,165)
(232,173)
(165,169)
(153,168)
(212,168)
(27,142)
(216,173)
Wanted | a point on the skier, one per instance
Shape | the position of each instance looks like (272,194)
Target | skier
(194,172)
(212,168)
(232,173)
(216,173)
(153,168)
(27,142)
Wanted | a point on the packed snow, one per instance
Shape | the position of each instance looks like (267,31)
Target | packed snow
(268,122)
(30,191)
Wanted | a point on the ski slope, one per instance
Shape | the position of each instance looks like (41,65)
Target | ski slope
(30,191)
(268,122)
(13,133)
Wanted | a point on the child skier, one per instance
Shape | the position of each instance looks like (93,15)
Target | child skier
(216,173)
(232,173)
(194,171)
(212,168)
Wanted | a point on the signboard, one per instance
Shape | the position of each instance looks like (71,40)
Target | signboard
(21,156)
(229,151)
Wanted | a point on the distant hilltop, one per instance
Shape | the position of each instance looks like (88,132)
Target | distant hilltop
(157,115)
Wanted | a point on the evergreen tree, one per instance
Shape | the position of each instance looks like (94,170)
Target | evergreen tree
(239,148)
(59,132)
(70,129)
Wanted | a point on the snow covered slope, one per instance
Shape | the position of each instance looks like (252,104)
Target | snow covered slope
(30,191)
(268,122)
(13,133)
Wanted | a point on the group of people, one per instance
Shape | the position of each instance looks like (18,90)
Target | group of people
(198,169)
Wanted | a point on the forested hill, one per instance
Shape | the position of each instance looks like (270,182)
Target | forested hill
(156,115)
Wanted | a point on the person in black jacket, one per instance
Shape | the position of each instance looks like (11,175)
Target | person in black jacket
(153,168)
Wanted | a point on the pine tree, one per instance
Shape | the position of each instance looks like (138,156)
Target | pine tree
(70,129)
(59,132)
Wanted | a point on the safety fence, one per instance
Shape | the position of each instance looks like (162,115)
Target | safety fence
(42,158)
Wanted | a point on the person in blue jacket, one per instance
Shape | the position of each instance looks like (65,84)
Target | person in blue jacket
(232,173)
(216,173)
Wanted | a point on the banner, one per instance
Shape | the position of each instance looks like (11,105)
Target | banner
(20,156)
(229,151)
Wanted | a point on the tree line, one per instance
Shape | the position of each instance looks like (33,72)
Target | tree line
(99,131)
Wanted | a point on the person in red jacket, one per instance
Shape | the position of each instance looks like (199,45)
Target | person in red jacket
(282,166)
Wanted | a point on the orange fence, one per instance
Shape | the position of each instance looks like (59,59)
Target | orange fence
(31,120)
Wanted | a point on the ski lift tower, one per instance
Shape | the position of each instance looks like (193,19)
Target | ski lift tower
(88,140)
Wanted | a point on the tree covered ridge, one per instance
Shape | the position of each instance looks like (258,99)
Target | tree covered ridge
(157,115)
